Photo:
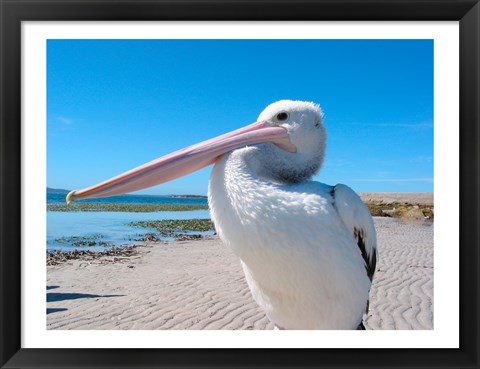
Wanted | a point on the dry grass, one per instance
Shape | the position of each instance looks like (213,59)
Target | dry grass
(402,210)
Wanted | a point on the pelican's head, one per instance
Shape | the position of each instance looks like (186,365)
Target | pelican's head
(293,129)
(303,122)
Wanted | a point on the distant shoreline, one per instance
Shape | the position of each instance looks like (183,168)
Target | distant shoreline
(187,196)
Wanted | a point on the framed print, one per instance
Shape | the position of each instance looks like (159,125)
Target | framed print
(91,89)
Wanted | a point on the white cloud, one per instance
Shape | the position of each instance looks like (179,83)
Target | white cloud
(422,159)
(421,125)
(400,180)
(65,120)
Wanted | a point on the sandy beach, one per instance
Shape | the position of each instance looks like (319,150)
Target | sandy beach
(200,285)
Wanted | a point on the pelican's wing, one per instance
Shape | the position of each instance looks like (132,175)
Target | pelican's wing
(356,216)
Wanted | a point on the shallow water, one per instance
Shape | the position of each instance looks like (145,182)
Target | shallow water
(112,226)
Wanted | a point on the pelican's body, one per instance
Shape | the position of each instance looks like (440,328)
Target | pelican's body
(308,250)
(301,261)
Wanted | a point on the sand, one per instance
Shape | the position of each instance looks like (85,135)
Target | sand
(390,197)
(200,285)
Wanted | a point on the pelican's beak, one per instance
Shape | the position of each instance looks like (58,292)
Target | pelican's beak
(185,161)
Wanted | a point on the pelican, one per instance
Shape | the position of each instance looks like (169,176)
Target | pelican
(308,250)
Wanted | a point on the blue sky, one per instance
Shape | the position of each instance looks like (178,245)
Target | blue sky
(115,104)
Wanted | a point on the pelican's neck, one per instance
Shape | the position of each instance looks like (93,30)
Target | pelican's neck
(246,165)
(245,177)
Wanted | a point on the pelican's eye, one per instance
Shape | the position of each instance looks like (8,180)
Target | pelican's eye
(282,117)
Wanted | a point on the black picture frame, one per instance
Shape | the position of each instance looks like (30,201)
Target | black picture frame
(12,355)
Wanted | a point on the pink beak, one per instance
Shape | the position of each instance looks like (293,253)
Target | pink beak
(185,161)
